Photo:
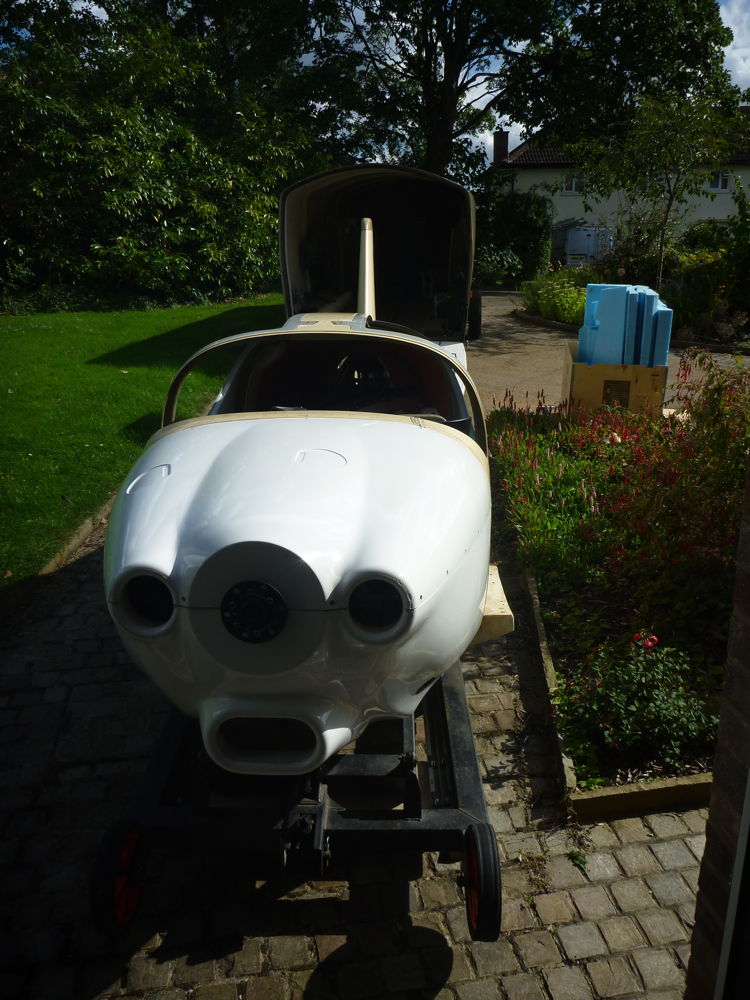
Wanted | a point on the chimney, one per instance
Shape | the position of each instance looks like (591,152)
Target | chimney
(500,147)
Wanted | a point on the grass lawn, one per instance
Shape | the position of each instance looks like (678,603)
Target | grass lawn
(80,394)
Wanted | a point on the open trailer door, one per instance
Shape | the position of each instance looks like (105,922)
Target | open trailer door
(423,227)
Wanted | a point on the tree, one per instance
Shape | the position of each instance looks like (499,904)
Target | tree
(599,58)
(661,159)
(415,81)
(422,76)
(520,222)
(251,46)
(145,149)
(127,173)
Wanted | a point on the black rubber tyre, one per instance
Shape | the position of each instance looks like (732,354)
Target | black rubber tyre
(119,876)
(481,871)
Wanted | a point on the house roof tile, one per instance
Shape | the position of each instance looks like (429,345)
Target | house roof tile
(536,153)
(539,153)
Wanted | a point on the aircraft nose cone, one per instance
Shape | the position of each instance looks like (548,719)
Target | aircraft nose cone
(256,607)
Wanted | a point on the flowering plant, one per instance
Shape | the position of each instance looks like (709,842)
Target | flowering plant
(634,704)
(628,518)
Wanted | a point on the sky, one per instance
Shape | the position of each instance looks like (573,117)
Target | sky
(736,15)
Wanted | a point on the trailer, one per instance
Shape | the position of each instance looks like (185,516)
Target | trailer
(378,798)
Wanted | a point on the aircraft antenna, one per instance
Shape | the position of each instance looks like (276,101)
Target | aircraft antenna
(366,290)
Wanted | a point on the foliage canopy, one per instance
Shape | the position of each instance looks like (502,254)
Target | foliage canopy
(660,158)
(424,77)
(144,142)
(130,172)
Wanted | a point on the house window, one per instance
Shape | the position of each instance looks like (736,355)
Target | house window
(719,182)
(572,184)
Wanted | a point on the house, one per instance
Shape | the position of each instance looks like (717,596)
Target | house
(582,226)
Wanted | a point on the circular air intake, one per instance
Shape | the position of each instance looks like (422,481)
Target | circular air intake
(148,601)
(253,611)
(376,605)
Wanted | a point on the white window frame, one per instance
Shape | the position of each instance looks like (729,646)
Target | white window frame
(719,181)
(572,184)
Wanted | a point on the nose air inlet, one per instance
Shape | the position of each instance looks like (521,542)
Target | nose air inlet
(255,607)
(276,735)
(259,609)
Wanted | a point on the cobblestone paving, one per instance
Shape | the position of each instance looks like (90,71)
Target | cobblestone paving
(599,912)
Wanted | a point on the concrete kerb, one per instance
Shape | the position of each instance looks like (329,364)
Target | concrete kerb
(614,802)
(23,593)
(78,539)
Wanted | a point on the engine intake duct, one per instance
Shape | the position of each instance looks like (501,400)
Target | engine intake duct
(274,740)
(278,736)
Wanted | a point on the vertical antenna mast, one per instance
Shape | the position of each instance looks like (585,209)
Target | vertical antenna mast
(366,289)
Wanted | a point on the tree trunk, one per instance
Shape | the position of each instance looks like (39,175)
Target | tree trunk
(663,241)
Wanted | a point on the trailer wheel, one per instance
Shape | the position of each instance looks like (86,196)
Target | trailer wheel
(481,872)
(119,876)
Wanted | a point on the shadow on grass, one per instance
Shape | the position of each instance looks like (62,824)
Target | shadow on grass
(140,430)
(172,348)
